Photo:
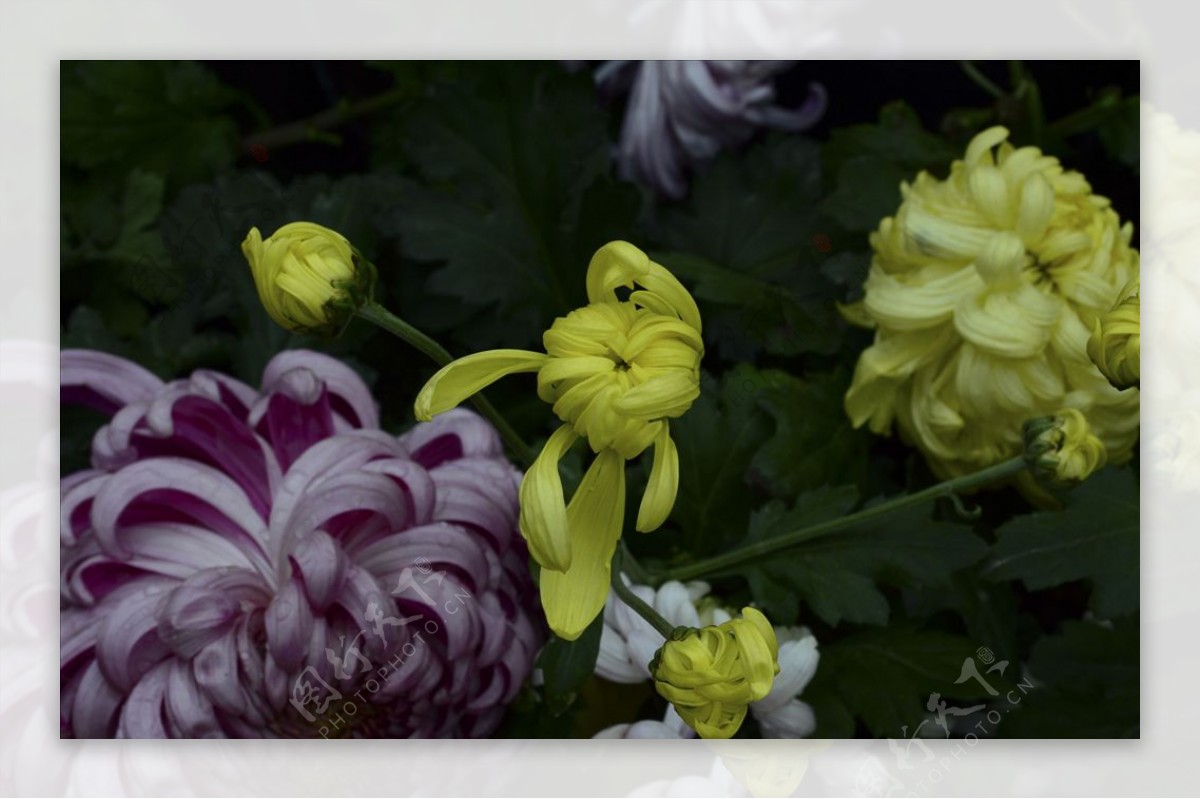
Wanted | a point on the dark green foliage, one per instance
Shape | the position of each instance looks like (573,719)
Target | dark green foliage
(481,192)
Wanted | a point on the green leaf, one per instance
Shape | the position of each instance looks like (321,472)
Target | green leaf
(814,443)
(1094,538)
(567,665)
(898,138)
(747,213)
(868,189)
(166,116)
(513,195)
(1088,684)
(749,239)
(1121,132)
(887,677)
(717,439)
(145,268)
(837,572)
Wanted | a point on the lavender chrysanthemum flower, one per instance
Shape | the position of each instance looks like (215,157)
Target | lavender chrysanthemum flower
(242,564)
(683,112)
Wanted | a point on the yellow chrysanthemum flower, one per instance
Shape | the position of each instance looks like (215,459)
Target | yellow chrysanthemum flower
(309,278)
(983,291)
(710,675)
(1061,450)
(615,372)
(1116,342)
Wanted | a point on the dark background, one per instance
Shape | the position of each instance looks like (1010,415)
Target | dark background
(480,190)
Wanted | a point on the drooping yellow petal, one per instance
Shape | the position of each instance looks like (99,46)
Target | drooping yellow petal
(543,509)
(663,484)
(458,380)
(572,599)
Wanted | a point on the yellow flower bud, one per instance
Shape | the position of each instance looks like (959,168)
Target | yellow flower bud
(982,292)
(1115,345)
(1061,449)
(710,675)
(309,278)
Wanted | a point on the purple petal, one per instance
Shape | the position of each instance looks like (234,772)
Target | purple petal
(78,492)
(142,716)
(128,644)
(416,483)
(294,416)
(77,634)
(350,397)
(177,549)
(172,489)
(443,545)
(236,396)
(112,446)
(321,565)
(205,606)
(215,669)
(458,433)
(496,683)
(477,492)
(360,494)
(95,705)
(104,381)
(203,430)
(89,575)
(289,622)
(188,709)
(338,455)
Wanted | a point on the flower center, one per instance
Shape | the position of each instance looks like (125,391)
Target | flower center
(616,370)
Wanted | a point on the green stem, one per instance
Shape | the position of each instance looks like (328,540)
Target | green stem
(634,601)
(981,80)
(759,549)
(1086,118)
(315,127)
(376,314)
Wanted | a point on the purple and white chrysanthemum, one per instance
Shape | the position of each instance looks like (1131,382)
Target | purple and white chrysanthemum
(243,563)
(683,112)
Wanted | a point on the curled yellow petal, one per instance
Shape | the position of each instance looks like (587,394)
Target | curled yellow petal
(668,394)
(663,484)
(573,598)
(543,509)
(616,264)
(1115,345)
(458,380)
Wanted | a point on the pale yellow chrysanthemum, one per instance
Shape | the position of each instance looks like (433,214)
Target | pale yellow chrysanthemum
(983,291)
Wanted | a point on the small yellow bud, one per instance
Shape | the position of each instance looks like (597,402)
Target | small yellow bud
(710,675)
(1061,450)
(1115,346)
(309,278)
